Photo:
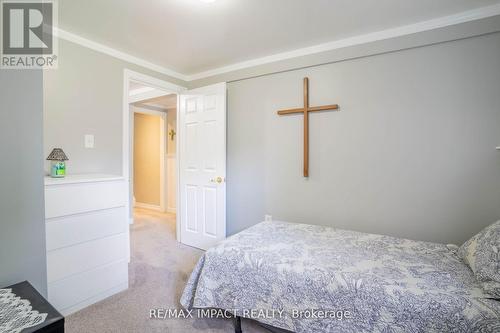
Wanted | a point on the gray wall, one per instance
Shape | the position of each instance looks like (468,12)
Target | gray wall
(411,153)
(84,96)
(22,224)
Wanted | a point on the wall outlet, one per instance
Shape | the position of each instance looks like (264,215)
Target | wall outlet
(268,218)
(89,141)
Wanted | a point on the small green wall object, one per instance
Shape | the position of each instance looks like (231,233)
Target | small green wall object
(57,160)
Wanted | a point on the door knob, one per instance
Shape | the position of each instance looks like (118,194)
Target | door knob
(217,180)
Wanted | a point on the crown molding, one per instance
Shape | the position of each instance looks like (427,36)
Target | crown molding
(62,34)
(442,22)
(445,21)
(139,91)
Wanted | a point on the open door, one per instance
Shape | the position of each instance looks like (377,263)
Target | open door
(202,166)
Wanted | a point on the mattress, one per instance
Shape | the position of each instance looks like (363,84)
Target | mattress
(307,278)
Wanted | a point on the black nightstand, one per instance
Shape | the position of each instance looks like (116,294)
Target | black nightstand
(54,322)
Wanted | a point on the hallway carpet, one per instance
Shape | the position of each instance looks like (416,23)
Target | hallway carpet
(158,271)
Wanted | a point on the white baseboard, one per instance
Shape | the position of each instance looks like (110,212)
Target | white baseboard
(148,206)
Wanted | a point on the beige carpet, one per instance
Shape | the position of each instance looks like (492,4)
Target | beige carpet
(158,271)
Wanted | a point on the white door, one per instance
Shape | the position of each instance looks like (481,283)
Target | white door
(202,166)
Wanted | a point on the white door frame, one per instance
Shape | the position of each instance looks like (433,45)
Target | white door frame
(129,75)
(163,155)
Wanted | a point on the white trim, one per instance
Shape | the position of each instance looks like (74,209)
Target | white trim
(140,91)
(153,82)
(149,206)
(152,93)
(66,35)
(445,21)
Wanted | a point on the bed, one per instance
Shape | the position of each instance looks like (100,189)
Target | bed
(280,273)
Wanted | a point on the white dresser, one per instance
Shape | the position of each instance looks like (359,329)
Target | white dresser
(87,239)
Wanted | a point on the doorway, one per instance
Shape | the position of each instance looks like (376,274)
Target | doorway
(199,159)
(149,100)
(154,136)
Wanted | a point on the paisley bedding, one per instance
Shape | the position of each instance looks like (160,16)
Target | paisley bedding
(482,254)
(306,278)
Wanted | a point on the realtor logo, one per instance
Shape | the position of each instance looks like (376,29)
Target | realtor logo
(28,34)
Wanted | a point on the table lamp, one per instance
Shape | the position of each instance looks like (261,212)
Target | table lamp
(58,165)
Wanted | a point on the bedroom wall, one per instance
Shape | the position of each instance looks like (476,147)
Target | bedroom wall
(22,224)
(147,158)
(84,96)
(410,154)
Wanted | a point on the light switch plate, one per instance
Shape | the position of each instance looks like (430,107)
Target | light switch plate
(89,141)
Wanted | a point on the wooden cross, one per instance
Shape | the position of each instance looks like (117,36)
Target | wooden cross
(305,110)
(172,134)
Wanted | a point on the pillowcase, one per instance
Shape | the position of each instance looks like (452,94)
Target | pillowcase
(481,253)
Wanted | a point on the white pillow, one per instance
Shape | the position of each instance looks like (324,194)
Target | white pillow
(482,254)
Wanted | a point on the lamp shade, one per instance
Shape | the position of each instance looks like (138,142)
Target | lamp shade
(57,154)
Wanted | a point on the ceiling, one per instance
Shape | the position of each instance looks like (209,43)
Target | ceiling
(191,36)
(166,102)
(163,102)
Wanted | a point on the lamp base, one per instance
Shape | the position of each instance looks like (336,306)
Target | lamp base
(58,169)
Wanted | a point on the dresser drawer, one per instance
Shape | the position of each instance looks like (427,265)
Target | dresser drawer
(79,288)
(74,229)
(67,261)
(69,199)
